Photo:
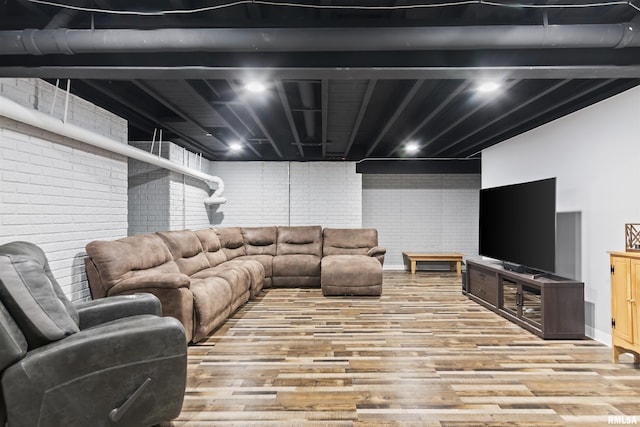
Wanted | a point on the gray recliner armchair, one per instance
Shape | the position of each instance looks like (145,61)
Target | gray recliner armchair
(110,362)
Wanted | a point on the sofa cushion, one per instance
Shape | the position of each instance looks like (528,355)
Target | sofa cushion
(29,296)
(349,241)
(186,249)
(296,265)
(305,240)
(231,241)
(211,245)
(212,302)
(12,341)
(130,256)
(351,275)
(260,240)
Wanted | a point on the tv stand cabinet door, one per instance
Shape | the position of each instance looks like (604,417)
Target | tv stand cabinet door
(483,284)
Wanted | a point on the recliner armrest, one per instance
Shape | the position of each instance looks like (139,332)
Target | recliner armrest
(96,312)
(378,252)
(154,280)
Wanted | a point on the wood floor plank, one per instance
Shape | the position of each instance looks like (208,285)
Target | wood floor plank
(422,354)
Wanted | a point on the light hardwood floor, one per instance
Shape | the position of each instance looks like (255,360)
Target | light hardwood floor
(420,355)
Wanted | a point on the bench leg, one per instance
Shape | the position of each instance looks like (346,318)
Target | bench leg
(459,268)
(413,267)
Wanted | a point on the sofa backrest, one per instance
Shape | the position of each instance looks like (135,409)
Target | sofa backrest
(211,246)
(116,260)
(231,241)
(260,240)
(186,250)
(349,241)
(304,240)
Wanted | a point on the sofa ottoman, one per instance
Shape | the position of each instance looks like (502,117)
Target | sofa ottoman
(351,275)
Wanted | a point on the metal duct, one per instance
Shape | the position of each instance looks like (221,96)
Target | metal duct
(308,103)
(40,42)
(17,112)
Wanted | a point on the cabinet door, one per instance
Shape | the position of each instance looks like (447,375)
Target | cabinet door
(621,298)
(531,301)
(635,294)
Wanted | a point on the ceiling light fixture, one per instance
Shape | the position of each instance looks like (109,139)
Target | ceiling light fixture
(255,87)
(236,146)
(411,147)
(488,87)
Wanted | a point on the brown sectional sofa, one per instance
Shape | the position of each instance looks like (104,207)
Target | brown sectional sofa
(201,277)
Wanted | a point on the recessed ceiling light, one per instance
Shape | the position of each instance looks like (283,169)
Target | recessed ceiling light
(487,87)
(255,86)
(236,146)
(411,147)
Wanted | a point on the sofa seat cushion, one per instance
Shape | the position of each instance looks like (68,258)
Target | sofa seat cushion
(351,275)
(296,265)
(256,273)
(237,277)
(265,260)
(212,302)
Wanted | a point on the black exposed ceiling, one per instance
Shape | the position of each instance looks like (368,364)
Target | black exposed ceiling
(346,79)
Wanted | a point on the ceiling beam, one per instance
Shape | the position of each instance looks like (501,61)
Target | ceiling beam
(476,147)
(366,99)
(152,93)
(441,105)
(140,111)
(215,107)
(468,114)
(318,73)
(509,112)
(403,104)
(255,117)
(287,111)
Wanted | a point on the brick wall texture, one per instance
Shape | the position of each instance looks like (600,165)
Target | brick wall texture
(57,192)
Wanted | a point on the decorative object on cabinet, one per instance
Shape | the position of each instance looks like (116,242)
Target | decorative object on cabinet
(551,307)
(632,237)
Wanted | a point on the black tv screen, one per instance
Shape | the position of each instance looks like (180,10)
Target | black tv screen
(518,224)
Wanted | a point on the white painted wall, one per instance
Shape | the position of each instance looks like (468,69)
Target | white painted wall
(594,153)
(289,193)
(422,213)
(57,192)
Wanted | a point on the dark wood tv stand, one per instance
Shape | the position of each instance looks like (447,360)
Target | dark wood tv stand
(549,306)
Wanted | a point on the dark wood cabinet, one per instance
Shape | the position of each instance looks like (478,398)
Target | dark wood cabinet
(549,306)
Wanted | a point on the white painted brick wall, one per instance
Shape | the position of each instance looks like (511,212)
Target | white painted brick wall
(326,193)
(257,194)
(57,192)
(148,196)
(289,193)
(160,199)
(422,213)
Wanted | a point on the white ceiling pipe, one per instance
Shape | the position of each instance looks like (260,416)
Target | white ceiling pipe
(17,112)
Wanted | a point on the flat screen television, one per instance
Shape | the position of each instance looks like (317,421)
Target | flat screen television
(518,225)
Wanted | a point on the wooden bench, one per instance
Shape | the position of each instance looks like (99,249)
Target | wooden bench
(414,257)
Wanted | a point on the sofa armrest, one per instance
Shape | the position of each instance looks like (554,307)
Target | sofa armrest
(157,280)
(96,312)
(101,368)
(378,252)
